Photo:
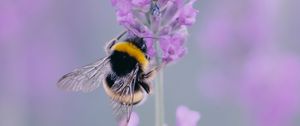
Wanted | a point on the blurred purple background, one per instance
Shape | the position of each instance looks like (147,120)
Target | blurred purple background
(242,66)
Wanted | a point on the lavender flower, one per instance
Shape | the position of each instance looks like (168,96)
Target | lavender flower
(251,67)
(134,120)
(270,91)
(141,3)
(186,117)
(173,48)
(188,14)
(166,20)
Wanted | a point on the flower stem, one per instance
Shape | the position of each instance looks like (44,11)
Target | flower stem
(159,101)
(159,88)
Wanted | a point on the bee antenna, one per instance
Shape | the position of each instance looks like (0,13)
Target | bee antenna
(131,32)
(121,35)
(138,35)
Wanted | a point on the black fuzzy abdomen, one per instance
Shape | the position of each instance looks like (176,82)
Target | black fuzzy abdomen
(122,63)
(110,81)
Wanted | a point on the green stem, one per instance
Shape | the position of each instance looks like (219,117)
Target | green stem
(159,88)
(159,101)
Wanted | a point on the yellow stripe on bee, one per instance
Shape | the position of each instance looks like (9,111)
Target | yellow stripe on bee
(132,51)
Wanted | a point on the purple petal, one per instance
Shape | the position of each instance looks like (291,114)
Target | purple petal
(125,17)
(134,120)
(162,3)
(150,48)
(179,2)
(188,14)
(149,42)
(140,3)
(114,2)
(172,46)
(165,31)
(186,117)
(122,5)
(170,13)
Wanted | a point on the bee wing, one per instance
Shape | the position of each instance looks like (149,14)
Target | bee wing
(86,78)
(124,87)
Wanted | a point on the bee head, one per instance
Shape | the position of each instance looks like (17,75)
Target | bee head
(138,42)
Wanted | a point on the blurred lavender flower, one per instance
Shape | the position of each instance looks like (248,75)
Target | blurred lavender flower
(166,20)
(270,91)
(188,14)
(249,64)
(186,117)
(134,120)
(141,3)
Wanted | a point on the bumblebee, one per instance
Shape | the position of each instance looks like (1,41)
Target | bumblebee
(124,74)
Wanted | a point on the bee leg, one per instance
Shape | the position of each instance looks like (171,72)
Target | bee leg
(151,74)
(112,42)
(147,86)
